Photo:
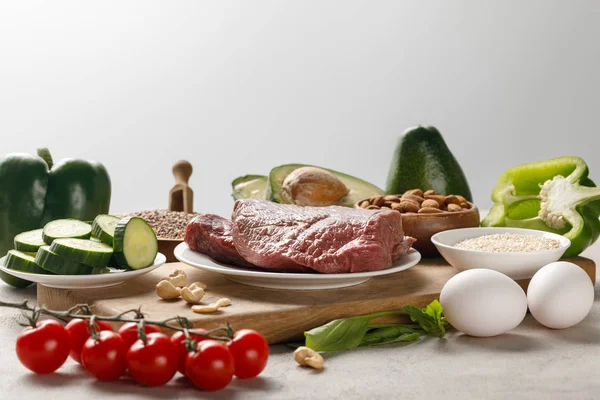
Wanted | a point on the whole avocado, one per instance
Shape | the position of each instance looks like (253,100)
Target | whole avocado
(423,160)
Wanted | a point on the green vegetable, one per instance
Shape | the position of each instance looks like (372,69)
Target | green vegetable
(430,318)
(555,195)
(33,192)
(29,241)
(65,228)
(135,245)
(57,264)
(349,333)
(358,189)
(422,160)
(103,228)
(249,187)
(20,261)
(87,252)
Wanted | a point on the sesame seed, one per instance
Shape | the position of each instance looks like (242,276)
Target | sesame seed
(508,243)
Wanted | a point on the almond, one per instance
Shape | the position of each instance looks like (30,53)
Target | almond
(373,207)
(396,206)
(429,192)
(409,206)
(441,200)
(429,210)
(391,198)
(464,205)
(452,200)
(364,204)
(412,197)
(377,200)
(430,203)
(461,199)
(416,192)
(454,207)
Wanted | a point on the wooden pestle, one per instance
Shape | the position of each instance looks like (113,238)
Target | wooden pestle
(181,196)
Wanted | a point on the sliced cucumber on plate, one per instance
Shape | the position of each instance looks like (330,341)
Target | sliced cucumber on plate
(66,228)
(20,261)
(29,241)
(88,252)
(135,243)
(103,228)
(60,265)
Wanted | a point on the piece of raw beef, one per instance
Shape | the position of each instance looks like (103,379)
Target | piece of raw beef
(211,235)
(324,239)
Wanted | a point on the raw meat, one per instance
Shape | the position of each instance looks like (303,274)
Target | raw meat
(211,235)
(324,239)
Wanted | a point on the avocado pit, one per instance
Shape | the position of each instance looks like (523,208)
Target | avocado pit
(311,186)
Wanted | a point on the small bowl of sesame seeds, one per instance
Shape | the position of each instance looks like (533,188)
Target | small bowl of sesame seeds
(518,253)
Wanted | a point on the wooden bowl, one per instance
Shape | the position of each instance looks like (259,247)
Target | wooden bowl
(423,226)
(167,246)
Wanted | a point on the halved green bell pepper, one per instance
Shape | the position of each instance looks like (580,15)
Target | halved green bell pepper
(34,191)
(554,195)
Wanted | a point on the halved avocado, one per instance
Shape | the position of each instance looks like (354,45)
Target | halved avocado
(250,187)
(357,188)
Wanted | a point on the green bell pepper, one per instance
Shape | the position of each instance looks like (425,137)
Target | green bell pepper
(34,191)
(554,195)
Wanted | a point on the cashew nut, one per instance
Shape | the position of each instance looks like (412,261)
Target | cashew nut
(192,294)
(178,278)
(305,356)
(166,290)
(199,284)
(224,302)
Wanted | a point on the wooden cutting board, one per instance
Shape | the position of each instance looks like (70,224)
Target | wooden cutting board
(279,315)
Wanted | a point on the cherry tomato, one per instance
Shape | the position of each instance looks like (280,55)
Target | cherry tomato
(155,362)
(210,367)
(43,348)
(105,357)
(79,332)
(250,352)
(178,338)
(129,333)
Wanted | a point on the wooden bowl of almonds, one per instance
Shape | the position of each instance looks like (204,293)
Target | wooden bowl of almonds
(425,213)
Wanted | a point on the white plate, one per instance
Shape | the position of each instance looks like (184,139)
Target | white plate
(517,265)
(83,281)
(288,280)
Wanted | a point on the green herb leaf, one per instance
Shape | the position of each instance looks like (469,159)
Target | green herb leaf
(349,333)
(339,334)
(390,334)
(430,318)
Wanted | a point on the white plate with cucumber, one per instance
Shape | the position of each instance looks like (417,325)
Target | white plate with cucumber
(72,254)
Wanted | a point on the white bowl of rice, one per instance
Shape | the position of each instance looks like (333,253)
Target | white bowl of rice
(516,252)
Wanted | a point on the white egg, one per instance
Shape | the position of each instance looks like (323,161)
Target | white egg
(560,295)
(483,302)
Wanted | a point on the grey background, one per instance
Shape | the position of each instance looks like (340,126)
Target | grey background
(239,87)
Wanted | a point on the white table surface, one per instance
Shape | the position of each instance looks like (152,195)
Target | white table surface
(529,362)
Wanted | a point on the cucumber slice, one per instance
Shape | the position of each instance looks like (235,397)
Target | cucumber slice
(88,252)
(29,241)
(66,228)
(60,265)
(135,243)
(104,228)
(20,261)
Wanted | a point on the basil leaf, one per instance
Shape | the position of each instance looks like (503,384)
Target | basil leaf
(339,334)
(390,334)
(430,318)
(435,310)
